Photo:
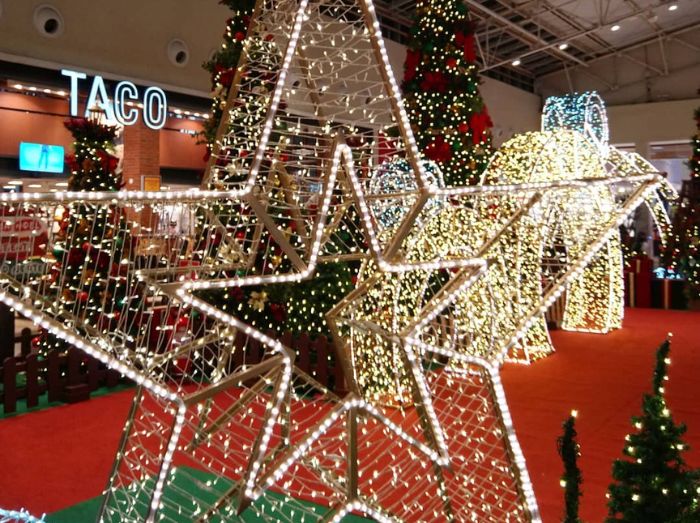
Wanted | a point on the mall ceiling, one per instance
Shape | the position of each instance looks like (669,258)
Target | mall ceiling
(630,51)
(609,45)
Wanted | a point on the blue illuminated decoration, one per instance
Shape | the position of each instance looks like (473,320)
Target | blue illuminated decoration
(584,113)
(396,176)
(662,273)
(16,516)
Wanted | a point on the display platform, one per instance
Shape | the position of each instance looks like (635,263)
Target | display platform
(62,456)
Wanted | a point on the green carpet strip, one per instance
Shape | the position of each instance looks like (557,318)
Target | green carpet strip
(188,484)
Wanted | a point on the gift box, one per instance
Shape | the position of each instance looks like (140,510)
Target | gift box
(667,293)
(638,278)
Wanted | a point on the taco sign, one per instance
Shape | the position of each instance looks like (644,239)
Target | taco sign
(22,237)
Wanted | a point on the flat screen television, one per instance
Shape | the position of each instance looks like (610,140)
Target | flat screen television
(40,157)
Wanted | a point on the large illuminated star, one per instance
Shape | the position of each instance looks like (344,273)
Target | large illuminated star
(223,423)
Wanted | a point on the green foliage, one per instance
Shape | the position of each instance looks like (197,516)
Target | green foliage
(569,450)
(440,85)
(682,251)
(653,483)
(298,307)
(223,64)
(85,278)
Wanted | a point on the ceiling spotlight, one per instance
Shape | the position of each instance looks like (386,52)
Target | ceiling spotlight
(615,28)
(563,46)
(672,7)
(516,63)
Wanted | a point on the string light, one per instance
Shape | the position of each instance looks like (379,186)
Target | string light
(438,292)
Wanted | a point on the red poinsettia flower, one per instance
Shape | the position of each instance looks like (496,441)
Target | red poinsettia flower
(72,162)
(413,59)
(480,123)
(467,43)
(226,76)
(279,312)
(109,162)
(434,81)
(439,150)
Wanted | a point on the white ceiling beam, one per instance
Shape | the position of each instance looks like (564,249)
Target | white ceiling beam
(622,50)
(525,35)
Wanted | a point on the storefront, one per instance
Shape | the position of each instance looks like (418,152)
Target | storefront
(158,128)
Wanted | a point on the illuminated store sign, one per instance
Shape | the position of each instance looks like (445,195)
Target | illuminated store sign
(122,106)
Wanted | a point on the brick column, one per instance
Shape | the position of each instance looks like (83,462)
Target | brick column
(141,154)
(141,158)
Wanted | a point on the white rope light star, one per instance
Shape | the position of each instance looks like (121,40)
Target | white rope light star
(224,422)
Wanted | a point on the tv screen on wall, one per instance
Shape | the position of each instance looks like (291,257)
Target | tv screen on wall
(40,157)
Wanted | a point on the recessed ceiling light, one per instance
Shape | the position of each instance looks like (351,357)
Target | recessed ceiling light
(615,28)
(515,63)
(34,186)
(672,7)
(15,182)
(563,46)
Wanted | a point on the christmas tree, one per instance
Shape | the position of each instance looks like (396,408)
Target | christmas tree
(86,279)
(569,450)
(653,484)
(682,253)
(223,64)
(299,308)
(448,116)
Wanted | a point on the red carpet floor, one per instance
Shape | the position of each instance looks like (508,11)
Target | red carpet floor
(58,457)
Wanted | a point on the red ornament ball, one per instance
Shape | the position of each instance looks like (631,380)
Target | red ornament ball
(82,296)
(451,63)
(239,36)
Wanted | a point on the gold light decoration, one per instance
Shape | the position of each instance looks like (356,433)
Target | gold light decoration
(224,426)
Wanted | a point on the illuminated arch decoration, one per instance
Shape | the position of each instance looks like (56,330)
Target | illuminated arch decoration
(595,302)
(224,426)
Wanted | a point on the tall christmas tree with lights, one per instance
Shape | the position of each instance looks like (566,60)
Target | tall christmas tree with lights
(448,115)
(683,249)
(298,308)
(86,278)
(653,483)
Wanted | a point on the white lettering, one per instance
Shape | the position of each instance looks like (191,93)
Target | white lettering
(126,95)
(124,90)
(154,100)
(74,77)
(98,88)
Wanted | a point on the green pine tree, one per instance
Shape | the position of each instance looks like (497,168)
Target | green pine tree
(300,307)
(448,115)
(653,484)
(682,252)
(87,282)
(569,450)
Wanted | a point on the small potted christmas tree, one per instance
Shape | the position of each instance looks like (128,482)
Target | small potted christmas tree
(653,484)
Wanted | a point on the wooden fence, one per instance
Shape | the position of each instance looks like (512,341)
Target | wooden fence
(68,377)
(73,375)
